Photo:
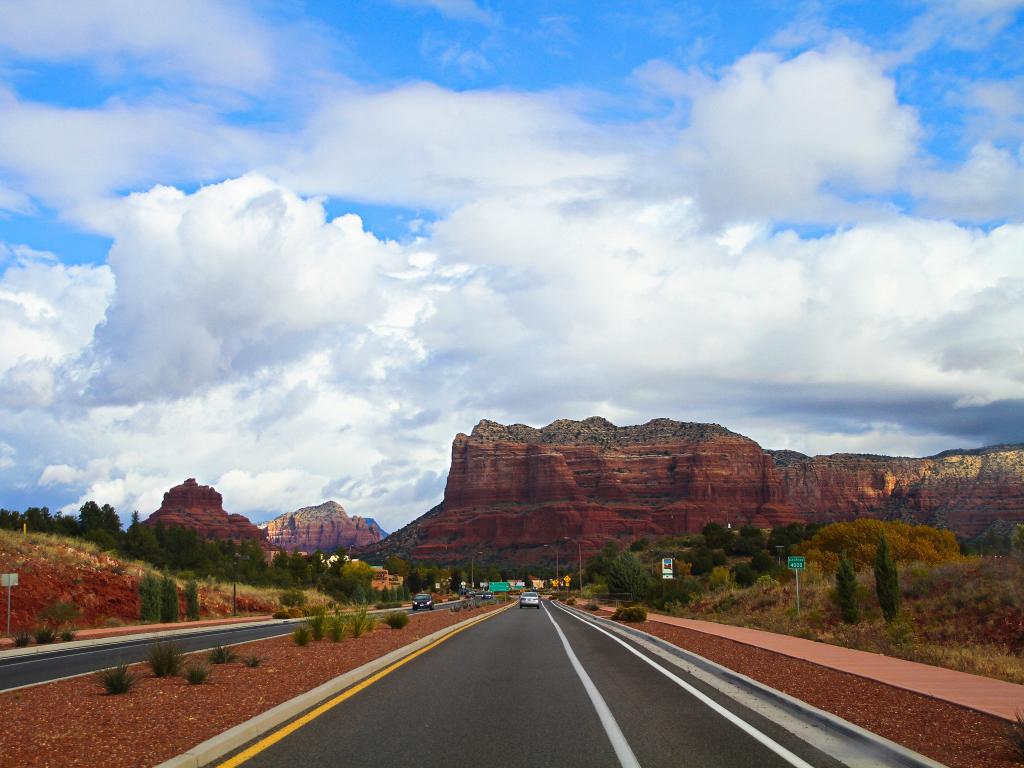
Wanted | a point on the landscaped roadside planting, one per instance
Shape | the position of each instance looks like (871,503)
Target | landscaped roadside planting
(75,723)
(953,735)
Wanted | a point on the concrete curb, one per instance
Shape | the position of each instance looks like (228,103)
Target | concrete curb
(233,738)
(890,751)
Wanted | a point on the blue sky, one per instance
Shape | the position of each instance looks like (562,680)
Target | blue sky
(291,248)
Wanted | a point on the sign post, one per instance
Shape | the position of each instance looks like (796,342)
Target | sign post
(797,564)
(8,580)
(666,568)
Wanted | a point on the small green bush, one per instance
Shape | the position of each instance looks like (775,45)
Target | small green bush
(67,634)
(44,635)
(222,654)
(281,614)
(296,613)
(192,600)
(197,673)
(302,634)
(149,598)
(59,614)
(336,628)
(360,622)
(116,680)
(21,638)
(397,619)
(169,609)
(571,601)
(293,598)
(592,606)
(630,613)
(252,661)
(165,659)
(318,624)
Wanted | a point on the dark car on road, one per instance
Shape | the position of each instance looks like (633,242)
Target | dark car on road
(487,596)
(423,601)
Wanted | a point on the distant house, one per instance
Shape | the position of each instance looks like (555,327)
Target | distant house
(382,580)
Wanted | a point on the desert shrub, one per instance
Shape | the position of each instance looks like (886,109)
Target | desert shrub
(718,557)
(361,622)
(165,659)
(630,613)
(44,635)
(196,673)
(252,661)
(112,621)
(293,598)
(282,614)
(858,540)
(570,601)
(60,614)
(762,562)
(168,600)
(625,574)
(21,638)
(720,578)
(743,574)
(592,606)
(116,680)
(900,631)
(397,619)
(222,654)
(149,598)
(887,581)
(302,634)
(67,634)
(317,624)
(336,628)
(296,613)
(846,592)
(192,600)
(765,582)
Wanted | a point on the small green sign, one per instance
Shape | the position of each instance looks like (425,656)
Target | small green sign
(498,586)
(796,563)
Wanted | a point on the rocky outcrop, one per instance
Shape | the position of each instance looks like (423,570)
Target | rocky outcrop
(513,489)
(201,508)
(325,527)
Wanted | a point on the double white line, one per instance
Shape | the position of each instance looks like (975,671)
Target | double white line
(622,749)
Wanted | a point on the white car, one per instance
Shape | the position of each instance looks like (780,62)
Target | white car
(529,600)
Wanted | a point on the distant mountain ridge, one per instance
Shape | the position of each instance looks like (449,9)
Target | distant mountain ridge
(512,489)
(325,527)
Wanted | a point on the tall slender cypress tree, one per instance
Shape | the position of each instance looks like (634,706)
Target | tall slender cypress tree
(887,583)
(846,592)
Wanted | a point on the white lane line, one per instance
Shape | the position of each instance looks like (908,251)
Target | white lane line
(622,749)
(773,745)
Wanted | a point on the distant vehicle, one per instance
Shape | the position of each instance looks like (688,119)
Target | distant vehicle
(487,596)
(529,600)
(423,600)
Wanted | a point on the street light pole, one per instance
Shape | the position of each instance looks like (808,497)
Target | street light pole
(579,549)
(472,570)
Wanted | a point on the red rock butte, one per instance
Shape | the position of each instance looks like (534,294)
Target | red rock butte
(325,527)
(513,489)
(201,508)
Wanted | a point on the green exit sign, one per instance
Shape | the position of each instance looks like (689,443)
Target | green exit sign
(796,563)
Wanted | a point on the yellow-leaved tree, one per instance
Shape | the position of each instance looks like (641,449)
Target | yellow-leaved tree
(858,541)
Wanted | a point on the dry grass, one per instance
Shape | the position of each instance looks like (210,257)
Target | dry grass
(967,616)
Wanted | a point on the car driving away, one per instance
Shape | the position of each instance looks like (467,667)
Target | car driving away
(422,600)
(529,600)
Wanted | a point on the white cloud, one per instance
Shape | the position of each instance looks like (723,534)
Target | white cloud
(988,185)
(210,42)
(461,10)
(7,454)
(791,138)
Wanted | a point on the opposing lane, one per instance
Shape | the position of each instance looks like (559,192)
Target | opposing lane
(506,693)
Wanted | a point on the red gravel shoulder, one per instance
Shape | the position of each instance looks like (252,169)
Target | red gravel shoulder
(73,723)
(953,735)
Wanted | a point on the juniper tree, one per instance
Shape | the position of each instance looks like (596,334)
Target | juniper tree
(192,600)
(168,600)
(846,592)
(887,581)
(149,598)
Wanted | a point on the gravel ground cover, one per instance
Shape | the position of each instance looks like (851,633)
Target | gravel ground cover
(73,723)
(953,735)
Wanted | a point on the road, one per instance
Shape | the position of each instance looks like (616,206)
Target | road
(536,688)
(65,662)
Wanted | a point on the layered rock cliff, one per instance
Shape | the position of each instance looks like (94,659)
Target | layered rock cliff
(325,527)
(201,508)
(513,489)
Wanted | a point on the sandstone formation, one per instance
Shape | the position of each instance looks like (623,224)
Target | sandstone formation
(513,489)
(325,527)
(201,508)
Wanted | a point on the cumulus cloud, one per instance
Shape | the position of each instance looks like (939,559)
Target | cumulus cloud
(791,138)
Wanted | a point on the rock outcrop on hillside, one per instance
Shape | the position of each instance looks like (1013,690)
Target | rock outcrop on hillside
(325,527)
(201,508)
(513,489)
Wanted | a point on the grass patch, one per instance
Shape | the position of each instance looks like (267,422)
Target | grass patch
(252,661)
(22,638)
(360,622)
(116,680)
(397,619)
(197,673)
(165,659)
(336,628)
(44,635)
(302,635)
(222,654)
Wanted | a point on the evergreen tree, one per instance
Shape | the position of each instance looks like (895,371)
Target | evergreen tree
(149,598)
(192,600)
(846,592)
(625,574)
(168,600)
(887,583)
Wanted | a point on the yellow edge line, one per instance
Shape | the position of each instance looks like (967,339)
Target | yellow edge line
(276,736)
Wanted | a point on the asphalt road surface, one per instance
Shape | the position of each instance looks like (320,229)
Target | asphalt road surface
(58,663)
(538,688)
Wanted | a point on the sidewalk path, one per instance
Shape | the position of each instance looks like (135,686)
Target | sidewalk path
(994,697)
(94,634)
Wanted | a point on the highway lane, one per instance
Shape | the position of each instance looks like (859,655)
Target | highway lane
(18,671)
(536,688)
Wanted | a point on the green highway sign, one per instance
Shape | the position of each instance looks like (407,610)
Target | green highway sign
(796,563)
(498,586)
